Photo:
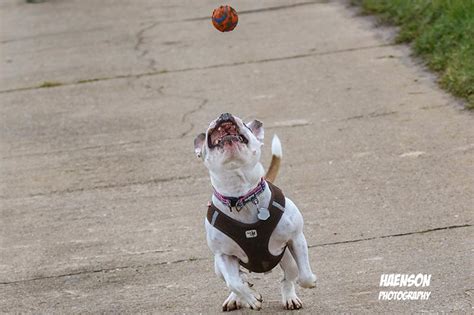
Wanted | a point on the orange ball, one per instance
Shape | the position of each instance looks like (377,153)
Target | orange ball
(225,18)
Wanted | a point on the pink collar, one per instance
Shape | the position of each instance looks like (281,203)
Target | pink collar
(239,202)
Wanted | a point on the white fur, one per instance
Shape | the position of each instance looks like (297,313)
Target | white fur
(276,147)
(234,173)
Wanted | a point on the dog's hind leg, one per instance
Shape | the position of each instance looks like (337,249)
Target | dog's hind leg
(299,249)
(241,293)
(289,298)
(217,270)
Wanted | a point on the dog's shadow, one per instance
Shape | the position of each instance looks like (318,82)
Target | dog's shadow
(268,307)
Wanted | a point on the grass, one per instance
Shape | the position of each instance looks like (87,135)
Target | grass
(89,80)
(442,33)
(49,84)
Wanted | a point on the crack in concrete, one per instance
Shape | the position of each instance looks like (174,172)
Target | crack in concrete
(105,270)
(392,235)
(108,186)
(216,66)
(189,113)
(142,53)
(204,101)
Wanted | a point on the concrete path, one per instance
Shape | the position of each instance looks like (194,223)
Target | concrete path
(102,200)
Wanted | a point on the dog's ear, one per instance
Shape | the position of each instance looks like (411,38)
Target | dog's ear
(256,126)
(199,143)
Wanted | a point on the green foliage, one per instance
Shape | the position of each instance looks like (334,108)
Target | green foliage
(442,32)
(49,84)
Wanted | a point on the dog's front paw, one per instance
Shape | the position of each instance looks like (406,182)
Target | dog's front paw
(253,301)
(292,303)
(243,296)
(288,296)
(231,303)
(308,281)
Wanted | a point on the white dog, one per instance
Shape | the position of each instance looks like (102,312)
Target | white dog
(249,221)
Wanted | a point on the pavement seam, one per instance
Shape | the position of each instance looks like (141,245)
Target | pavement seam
(105,270)
(392,235)
(267,9)
(369,115)
(40,36)
(64,151)
(451,227)
(467,148)
(223,65)
(118,185)
(201,18)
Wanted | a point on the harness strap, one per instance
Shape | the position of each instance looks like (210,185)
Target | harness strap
(253,238)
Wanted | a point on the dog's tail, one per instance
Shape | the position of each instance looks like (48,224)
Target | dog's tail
(276,159)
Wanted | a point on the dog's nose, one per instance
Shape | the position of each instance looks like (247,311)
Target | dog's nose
(225,117)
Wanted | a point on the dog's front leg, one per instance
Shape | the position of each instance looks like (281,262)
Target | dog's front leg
(299,249)
(228,267)
(289,298)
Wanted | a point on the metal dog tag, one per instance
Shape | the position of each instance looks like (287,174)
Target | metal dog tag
(263,214)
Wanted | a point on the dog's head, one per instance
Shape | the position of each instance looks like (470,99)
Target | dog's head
(229,143)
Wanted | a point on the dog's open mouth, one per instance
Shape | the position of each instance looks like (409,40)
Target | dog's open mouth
(225,132)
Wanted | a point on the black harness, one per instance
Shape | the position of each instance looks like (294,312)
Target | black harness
(253,238)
